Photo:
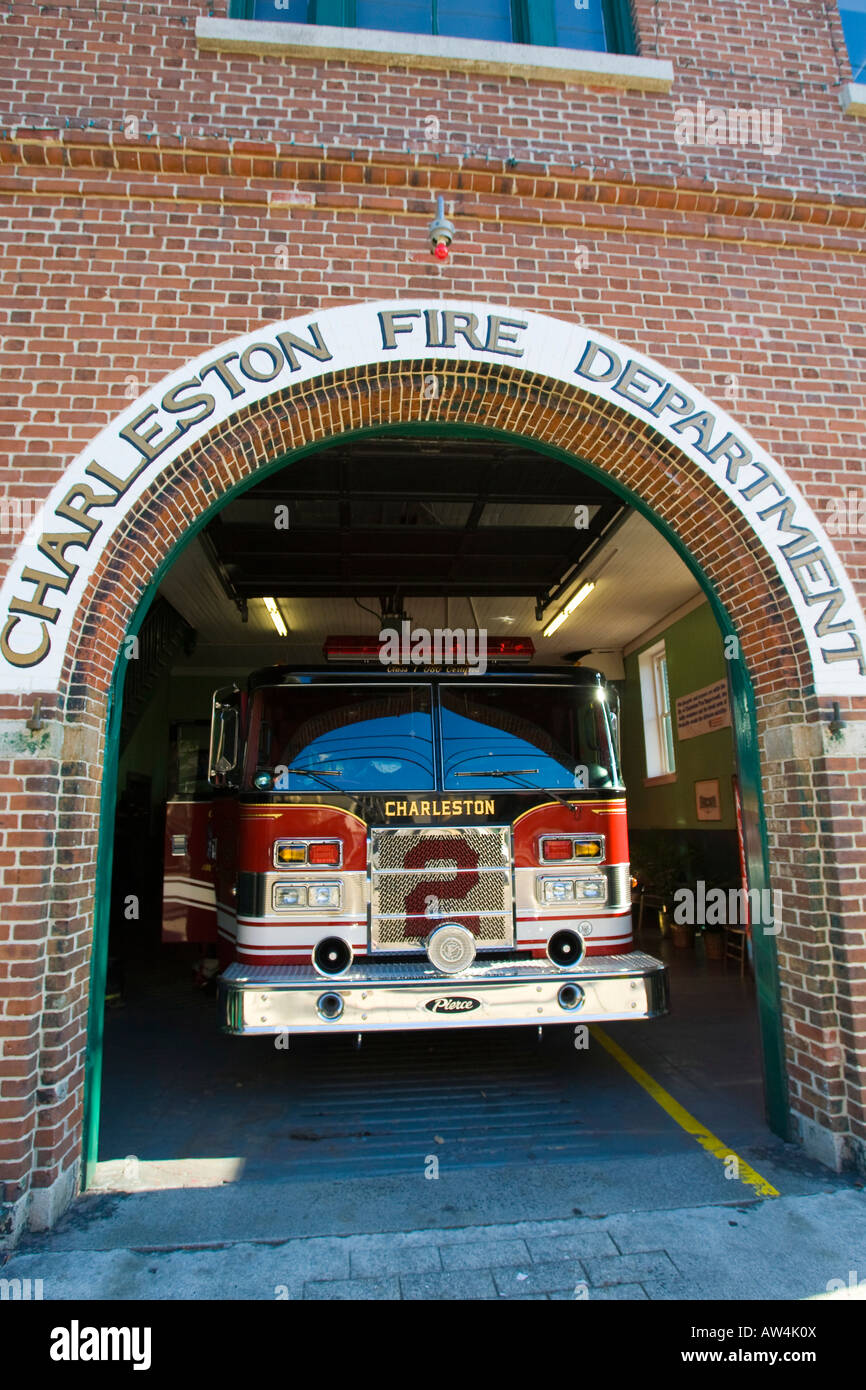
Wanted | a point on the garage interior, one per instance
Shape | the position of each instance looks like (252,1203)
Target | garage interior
(452,532)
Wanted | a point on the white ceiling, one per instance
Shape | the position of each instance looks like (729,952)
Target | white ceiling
(639,580)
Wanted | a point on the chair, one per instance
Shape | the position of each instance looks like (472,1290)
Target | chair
(637,896)
(735,947)
(645,899)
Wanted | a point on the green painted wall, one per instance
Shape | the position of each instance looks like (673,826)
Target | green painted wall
(695,657)
(145,751)
(176,696)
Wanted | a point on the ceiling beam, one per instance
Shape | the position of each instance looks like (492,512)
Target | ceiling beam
(601,536)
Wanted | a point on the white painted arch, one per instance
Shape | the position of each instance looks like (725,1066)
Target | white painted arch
(102,485)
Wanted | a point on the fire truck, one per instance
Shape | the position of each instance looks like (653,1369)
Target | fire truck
(412,846)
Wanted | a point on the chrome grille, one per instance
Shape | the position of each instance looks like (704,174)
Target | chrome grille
(423,876)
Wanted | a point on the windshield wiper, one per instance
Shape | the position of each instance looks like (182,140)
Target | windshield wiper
(494,772)
(548,791)
(308,772)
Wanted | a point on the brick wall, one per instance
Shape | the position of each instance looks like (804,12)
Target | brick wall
(125,254)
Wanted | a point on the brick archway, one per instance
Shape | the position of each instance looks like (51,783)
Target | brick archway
(536,409)
(823,1030)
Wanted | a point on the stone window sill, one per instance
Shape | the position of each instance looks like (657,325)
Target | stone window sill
(854,99)
(568,65)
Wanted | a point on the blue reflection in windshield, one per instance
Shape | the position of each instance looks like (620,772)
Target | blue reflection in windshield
(389,754)
(472,747)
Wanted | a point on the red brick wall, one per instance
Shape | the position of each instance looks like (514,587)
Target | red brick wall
(122,258)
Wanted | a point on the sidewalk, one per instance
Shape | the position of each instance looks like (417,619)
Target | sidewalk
(785,1248)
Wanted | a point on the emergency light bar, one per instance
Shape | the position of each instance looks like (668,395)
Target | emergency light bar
(368,649)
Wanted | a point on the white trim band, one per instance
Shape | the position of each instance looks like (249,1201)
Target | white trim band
(535,61)
(853,98)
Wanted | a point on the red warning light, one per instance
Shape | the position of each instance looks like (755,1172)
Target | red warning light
(325,852)
(441,251)
(510,649)
(352,648)
(557,849)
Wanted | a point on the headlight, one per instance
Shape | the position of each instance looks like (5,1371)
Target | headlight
(592,889)
(586,889)
(325,895)
(558,890)
(289,897)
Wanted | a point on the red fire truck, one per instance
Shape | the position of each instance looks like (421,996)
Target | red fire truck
(416,846)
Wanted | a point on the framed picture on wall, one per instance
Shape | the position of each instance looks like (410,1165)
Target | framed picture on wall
(708,803)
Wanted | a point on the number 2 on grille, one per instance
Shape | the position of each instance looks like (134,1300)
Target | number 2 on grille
(442,890)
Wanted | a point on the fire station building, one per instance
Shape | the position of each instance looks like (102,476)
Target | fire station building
(536,318)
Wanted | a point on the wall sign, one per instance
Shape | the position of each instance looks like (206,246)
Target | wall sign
(708,805)
(40,596)
(703,710)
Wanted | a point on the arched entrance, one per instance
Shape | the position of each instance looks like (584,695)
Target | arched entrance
(177,455)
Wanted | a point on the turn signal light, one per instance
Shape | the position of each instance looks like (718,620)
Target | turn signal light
(588,849)
(291,854)
(570,849)
(309,853)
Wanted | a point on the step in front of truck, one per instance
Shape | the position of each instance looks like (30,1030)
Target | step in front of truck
(399,995)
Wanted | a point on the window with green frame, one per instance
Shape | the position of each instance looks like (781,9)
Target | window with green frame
(853,14)
(601,25)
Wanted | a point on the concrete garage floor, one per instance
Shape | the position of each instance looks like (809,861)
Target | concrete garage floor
(556,1170)
(174,1088)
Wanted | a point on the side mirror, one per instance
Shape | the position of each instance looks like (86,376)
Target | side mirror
(224,765)
(614,724)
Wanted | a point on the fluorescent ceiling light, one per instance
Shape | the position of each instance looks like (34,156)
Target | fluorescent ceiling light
(277,618)
(569,608)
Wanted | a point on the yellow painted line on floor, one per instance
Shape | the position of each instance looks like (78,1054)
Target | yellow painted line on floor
(677,1112)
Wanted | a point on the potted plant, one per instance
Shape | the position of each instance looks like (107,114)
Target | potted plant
(662,871)
(713,933)
(683,933)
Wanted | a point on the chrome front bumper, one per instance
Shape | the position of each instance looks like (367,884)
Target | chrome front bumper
(376,996)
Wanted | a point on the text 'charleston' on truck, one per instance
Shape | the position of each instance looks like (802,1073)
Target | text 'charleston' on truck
(413,847)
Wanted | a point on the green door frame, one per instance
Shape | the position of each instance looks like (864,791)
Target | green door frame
(745,742)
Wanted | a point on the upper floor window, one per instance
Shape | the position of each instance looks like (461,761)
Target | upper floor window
(468,19)
(599,25)
(656,706)
(853,14)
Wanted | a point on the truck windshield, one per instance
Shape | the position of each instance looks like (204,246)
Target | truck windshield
(313,738)
(503,736)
